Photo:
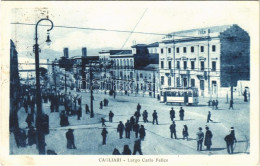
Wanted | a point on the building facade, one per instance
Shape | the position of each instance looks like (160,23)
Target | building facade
(210,59)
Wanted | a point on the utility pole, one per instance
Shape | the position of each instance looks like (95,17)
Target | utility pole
(153,84)
(91,92)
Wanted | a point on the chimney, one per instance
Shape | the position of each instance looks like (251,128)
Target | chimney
(84,52)
(66,52)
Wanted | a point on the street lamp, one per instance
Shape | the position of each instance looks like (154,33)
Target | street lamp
(39,116)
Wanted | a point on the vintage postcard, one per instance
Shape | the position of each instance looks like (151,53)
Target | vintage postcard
(129,83)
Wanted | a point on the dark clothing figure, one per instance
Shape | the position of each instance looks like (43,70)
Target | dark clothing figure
(101,105)
(31,136)
(181,113)
(172,114)
(231,104)
(20,138)
(138,107)
(103,122)
(87,109)
(126,150)
(216,104)
(137,147)
(79,113)
(137,115)
(64,120)
(173,130)
(25,105)
(111,115)
(116,152)
(127,129)
(145,116)
(185,132)
(70,139)
(245,96)
(230,142)
(142,132)
(208,118)
(155,117)
(136,129)
(200,137)
(104,135)
(213,104)
(120,129)
(208,137)
(29,120)
(158,97)
(132,122)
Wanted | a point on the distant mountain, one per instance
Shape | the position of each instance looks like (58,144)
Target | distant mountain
(51,54)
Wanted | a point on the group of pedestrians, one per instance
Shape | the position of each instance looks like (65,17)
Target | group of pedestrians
(207,138)
(103,103)
(127,150)
(181,114)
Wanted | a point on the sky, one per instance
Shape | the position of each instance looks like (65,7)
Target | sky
(155,17)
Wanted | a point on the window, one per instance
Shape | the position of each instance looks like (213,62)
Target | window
(178,81)
(201,84)
(170,64)
(201,48)
(162,64)
(178,64)
(161,50)
(162,80)
(192,64)
(185,64)
(213,66)
(213,48)
(177,49)
(201,65)
(192,82)
(184,50)
(169,81)
(169,50)
(192,49)
(155,50)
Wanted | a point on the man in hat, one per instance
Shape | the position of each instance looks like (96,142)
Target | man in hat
(208,137)
(155,117)
(208,119)
(137,147)
(120,129)
(181,113)
(230,140)
(200,137)
(172,114)
(70,139)
(104,135)
(173,129)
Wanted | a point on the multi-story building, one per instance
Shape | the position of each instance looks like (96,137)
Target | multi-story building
(210,59)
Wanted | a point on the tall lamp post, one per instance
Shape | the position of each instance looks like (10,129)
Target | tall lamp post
(39,116)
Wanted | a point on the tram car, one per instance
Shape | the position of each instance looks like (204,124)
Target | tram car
(181,96)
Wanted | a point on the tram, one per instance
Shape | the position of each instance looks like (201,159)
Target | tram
(185,96)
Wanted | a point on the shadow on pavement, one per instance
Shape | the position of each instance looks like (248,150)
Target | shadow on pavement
(216,149)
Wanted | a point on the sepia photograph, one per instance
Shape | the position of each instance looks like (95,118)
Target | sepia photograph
(161,78)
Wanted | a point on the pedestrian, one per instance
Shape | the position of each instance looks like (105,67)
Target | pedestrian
(142,132)
(64,120)
(103,122)
(132,122)
(181,113)
(104,135)
(127,129)
(111,115)
(126,150)
(155,117)
(216,104)
(105,103)
(208,137)
(245,96)
(172,114)
(145,116)
(79,113)
(231,104)
(173,130)
(116,152)
(158,97)
(137,147)
(185,132)
(70,139)
(200,137)
(230,140)
(136,129)
(213,104)
(22,138)
(79,101)
(138,107)
(101,105)
(209,117)
(31,136)
(120,129)
(87,109)
(29,120)
(137,115)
